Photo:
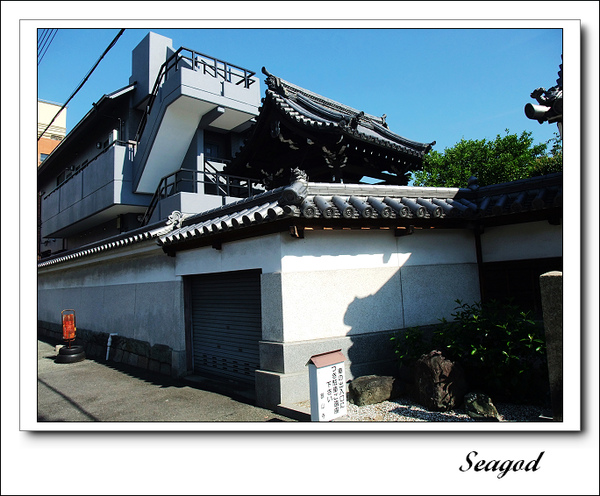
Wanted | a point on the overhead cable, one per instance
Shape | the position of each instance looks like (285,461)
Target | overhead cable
(47,44)
(112,43)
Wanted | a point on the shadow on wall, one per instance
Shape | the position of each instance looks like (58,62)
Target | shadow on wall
(373,320)
(413,296)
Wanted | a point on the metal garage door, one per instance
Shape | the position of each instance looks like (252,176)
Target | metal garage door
(226,324)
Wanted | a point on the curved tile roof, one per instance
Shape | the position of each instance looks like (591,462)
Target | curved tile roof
(298,128)
(338,205)
(109,244)
(353,204)
(317,111)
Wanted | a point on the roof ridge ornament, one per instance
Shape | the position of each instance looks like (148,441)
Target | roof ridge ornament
(473,183)
(354,121)
(295,193)
(176,218)
(298,175)
(273,82)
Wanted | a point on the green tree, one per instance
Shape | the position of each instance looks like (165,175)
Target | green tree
(506,158)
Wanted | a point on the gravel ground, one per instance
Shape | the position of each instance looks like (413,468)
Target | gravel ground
(405,410)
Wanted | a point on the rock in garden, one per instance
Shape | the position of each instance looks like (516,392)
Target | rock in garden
(439,383)
(479,406)
(372,389)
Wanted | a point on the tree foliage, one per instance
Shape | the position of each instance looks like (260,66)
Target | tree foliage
(506,158)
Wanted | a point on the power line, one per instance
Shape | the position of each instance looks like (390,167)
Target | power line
(41,41)
(53,31)
(112,43)
(41,38)
(45,34)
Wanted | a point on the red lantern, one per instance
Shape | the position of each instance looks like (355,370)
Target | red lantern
(68,323)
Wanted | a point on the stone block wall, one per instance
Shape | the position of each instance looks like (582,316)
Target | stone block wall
(136,353)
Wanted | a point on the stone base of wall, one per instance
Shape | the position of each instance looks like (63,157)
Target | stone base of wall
(283,377)
(133,352)
(551,289)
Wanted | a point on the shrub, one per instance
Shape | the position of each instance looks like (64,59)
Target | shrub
(501,348)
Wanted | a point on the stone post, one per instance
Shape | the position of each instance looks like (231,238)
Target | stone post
(552,307)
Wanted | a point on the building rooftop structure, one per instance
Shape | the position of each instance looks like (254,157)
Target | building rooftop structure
(332,142)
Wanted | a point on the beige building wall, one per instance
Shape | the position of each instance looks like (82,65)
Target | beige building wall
(55,133)
(46,111)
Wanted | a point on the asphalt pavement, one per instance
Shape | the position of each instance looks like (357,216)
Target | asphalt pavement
(99,391)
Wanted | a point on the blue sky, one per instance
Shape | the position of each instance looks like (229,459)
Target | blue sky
(434,84)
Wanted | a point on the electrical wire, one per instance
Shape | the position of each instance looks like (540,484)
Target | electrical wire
(51,39)
(43,40)
(47,45)
(112,44)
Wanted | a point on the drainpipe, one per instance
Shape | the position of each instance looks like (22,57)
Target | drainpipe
(108,343)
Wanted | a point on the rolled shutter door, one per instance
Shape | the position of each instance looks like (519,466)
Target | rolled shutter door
(226,324)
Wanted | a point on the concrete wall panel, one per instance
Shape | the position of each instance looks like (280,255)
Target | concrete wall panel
(139,298)
(159,314)
(429,292)
(272,308)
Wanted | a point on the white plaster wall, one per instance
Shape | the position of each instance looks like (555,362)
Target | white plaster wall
(332,303)
(254,253)
(328,250)
(137,266)
(438,246)
(521,241)
(338,283)
(340,250)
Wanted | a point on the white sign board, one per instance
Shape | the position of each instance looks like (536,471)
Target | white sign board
(327,386)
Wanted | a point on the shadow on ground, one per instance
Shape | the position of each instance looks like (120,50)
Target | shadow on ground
(236,391)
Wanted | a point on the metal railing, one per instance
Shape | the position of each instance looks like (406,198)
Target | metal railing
(210,181)
(212,66)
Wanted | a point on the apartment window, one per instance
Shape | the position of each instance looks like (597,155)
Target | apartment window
(43,156)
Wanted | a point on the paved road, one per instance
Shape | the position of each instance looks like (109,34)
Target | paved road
(95,391)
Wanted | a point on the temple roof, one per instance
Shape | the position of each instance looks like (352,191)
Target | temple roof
(303,204)
(332,142)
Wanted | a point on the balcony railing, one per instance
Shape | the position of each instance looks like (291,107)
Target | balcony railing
(184,57)
(75,170)
(210,181)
